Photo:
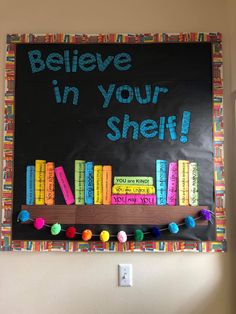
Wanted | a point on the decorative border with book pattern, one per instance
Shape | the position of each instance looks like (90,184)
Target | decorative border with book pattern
(7,244)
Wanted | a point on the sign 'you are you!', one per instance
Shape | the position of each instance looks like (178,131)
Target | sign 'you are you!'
(110,91)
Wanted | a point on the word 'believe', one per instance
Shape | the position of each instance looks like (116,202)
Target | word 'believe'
(86,62)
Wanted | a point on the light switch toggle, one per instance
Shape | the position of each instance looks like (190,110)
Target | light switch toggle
(125,275)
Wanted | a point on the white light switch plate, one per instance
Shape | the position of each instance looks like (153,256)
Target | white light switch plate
(125,275)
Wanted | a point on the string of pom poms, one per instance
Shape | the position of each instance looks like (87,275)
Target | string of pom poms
(122,236)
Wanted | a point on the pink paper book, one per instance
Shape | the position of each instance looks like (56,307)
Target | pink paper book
(133,199)
(64,185)
(172,184)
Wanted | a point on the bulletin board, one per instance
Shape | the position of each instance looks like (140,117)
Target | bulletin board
(121,100)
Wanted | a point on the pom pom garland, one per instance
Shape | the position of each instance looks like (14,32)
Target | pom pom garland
(23,216)
(70,232)
(39,223)
(138,235)
(190,222)
(104,236)
(87,235)
(173,227)
(122,236)
(55,229)
(205,214)
(156,232)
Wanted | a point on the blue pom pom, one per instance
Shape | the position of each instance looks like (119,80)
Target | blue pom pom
(156,232)
(190,222)
(23,216)
(173,227)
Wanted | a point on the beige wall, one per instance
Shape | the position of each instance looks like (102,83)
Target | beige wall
(87,283)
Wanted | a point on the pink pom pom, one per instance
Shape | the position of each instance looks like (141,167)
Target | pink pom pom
(39,223)
(122,237)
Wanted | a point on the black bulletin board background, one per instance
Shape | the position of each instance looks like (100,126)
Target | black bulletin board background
(65,132)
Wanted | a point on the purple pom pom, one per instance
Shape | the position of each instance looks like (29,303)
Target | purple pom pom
(205,214)
(156,232)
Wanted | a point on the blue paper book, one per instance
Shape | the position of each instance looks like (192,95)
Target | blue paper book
(161,181)
(88,184)
(30,181)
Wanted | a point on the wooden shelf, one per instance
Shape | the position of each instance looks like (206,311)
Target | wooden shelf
(114,214)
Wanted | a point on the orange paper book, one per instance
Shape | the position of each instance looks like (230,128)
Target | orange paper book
(107,182)
(50,184)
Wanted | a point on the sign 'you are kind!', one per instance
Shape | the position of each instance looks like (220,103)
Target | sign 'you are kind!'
(125,94)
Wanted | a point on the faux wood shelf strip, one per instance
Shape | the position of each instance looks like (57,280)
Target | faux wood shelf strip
(114,214)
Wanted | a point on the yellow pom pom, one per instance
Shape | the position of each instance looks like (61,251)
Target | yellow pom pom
(104,236)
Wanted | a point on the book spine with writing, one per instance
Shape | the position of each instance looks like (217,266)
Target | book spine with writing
(193,184)
(172,184)
(89,184)
(40,182)
(50,184)
(79,181)
(161,181)
(64,185)
(183,182)
(30,185)
(133,180)
(134,199)
(98,185)
(107,183)
(133,189)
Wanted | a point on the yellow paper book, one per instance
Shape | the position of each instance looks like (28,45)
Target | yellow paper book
(40,182)
(97,185)
(106,190)
(50,184)
(133,189)
(183,182)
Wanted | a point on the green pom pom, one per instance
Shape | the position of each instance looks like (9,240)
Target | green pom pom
(55,229)
(138,235)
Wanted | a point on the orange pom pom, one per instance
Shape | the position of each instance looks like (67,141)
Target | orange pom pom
(87,235)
